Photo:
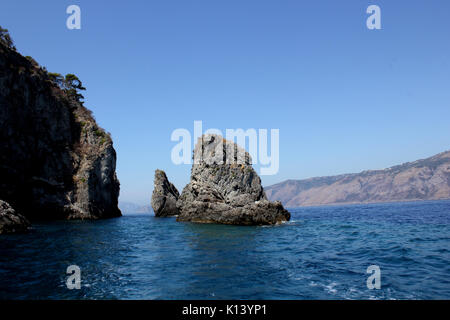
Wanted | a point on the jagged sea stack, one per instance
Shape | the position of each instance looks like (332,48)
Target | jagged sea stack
(224,188)
(55,161)
(164,196)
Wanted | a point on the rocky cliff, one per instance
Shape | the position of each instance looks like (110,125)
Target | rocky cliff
(427,179)
(224,188)
(55,161)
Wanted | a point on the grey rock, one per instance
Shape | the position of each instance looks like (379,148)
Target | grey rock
(165,196)
(55,161)
(11,221)
(224,188)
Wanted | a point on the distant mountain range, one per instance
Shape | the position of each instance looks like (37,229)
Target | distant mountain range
(129,207)
(426,179)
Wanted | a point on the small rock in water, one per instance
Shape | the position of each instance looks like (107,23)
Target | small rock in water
(11,221)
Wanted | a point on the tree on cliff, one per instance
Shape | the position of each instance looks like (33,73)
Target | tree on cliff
(73,82)
(72,85)
(5,38)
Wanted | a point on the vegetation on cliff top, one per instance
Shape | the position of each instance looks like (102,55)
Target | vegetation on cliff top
(6,39)
(70,83)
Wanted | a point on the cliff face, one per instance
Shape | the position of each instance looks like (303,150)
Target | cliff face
(427,179)
(55,162)
(224,188)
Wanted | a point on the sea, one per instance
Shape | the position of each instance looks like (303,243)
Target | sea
(327,252)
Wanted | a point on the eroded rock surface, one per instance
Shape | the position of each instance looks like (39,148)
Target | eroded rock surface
(224,188)
(165,196)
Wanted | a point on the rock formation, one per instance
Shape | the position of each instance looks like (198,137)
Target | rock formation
(55,161)
(224,188)
(426,179)
(165,196)
(10,221)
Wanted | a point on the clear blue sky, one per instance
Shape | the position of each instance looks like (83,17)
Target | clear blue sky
(345,98)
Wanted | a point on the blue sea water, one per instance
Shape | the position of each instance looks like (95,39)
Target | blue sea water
(322,253)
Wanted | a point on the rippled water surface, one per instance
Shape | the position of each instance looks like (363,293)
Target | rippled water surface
(323,253)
